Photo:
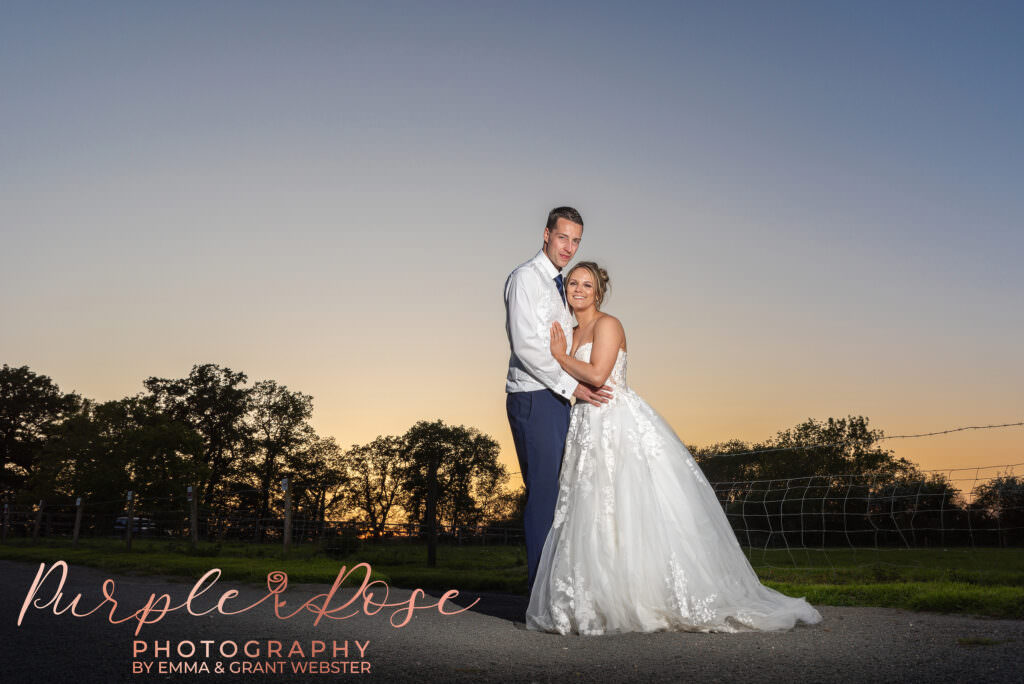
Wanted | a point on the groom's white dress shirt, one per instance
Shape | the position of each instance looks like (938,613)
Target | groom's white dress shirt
(532,304)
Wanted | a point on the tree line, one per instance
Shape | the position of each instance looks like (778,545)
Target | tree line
(831,483)
(819,483)
(234,442)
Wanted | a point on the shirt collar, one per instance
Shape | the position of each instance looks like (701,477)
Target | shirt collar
(546,265)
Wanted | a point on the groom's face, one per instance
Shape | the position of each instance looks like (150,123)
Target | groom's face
(562,241)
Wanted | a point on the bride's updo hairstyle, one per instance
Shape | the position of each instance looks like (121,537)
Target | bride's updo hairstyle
(602,283)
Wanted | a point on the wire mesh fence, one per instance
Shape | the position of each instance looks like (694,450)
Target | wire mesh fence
(979,506)
(962,508)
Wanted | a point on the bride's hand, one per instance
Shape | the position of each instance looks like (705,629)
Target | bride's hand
(557,341)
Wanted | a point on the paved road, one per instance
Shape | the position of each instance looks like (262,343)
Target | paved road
(485,644)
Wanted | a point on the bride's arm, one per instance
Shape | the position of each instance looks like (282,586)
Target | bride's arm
(608,338)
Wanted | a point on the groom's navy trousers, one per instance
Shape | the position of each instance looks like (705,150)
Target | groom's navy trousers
(539,422)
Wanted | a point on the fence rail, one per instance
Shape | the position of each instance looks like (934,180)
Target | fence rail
(45,520)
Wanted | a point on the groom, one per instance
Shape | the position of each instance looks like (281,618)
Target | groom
(538,389)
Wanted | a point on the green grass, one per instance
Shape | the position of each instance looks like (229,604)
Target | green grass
(938,597)
(496,568)
(987,582)
(988,566)
(160,558)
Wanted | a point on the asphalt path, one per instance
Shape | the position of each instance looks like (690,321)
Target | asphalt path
(486,643)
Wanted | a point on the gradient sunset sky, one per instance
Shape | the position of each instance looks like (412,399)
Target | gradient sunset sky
(808,209)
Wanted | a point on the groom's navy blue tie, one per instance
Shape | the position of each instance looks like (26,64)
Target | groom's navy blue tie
(558,284)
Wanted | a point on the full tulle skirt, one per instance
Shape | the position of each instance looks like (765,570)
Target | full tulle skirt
(639,541)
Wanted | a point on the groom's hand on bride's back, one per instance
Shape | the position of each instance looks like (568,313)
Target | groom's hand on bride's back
(591,395)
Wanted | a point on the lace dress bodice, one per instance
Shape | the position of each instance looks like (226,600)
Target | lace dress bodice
(618,374)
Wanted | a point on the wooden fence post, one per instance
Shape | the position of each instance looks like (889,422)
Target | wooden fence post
(130,522)
(39,519)
(193,515)
(432,487)
(78,522)
(287,515)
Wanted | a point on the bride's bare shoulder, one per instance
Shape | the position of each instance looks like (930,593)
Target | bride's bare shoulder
(610,325)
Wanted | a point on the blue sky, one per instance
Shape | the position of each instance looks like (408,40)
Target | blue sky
(807,208)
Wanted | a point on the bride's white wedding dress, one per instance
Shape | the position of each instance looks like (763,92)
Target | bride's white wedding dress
(639,541)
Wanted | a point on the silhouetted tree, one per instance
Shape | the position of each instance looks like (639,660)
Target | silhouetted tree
(506,509)
(375,479)
(840,446)
(824,483)
(1002,498)
(32,407)
(278,428)
(449,469)
(320,471)
(107,449)
(214,402)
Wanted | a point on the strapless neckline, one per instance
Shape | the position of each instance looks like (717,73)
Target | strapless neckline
(591,344)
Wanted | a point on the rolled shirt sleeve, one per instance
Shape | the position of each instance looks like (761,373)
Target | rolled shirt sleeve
(529,345)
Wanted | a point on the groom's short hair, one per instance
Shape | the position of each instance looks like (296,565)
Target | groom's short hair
(568,213)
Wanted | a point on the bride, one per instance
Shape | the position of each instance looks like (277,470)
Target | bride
(639,541)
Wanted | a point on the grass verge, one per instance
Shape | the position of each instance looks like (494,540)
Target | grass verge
(937,597)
